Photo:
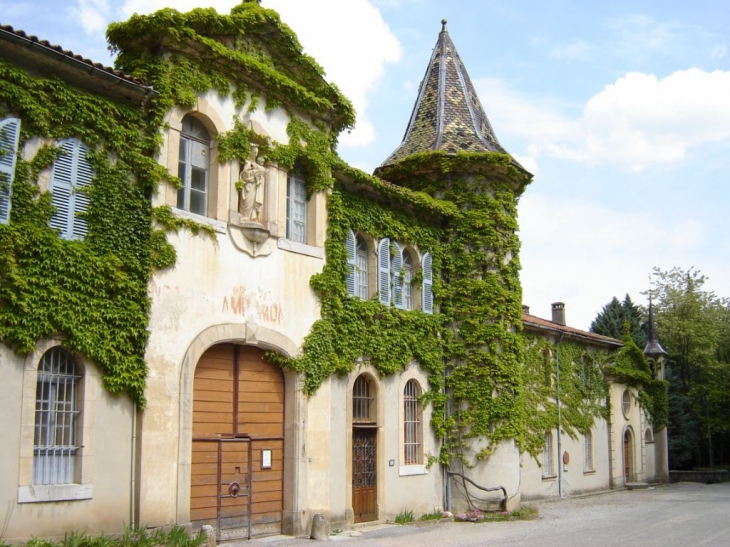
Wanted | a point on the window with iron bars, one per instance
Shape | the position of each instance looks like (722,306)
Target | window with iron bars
(412,424)
(56,419)
(362,401)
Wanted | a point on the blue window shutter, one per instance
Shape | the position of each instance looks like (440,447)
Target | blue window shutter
(398,277)
(62,190)
(71,175)
(350,247)
(9,137)
(384,271)
(84,176)
(427,285)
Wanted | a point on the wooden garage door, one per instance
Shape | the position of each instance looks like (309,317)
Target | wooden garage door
(238,443)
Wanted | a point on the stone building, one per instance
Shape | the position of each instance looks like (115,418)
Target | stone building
(311,338)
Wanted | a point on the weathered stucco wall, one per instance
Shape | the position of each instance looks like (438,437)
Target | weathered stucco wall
(104,463)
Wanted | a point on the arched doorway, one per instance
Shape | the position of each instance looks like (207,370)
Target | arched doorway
(628,455)
(364,450)
(238,443)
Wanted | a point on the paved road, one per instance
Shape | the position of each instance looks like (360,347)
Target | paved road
(679,515)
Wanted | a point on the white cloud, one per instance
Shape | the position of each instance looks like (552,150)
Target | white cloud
(349,39)
(638,35)
(638,121)
(719,51)
(144,7)
(586,253)
(577,50)
(352,42)
(93,14)
(16,10)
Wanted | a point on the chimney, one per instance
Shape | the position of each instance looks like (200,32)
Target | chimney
(559,313)
(526,309)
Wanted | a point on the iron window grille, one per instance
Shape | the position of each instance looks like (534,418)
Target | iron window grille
(412,423)
(56,419)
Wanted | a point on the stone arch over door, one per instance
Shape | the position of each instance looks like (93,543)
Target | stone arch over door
(628,454)
(245,334)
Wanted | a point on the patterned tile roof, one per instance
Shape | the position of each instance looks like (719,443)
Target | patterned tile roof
(447,115)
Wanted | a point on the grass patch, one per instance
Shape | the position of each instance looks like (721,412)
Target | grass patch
(526,512)
(137,537)
(404,517)
(436,514)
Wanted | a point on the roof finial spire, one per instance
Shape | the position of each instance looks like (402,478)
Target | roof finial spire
(443,25)
(653,347)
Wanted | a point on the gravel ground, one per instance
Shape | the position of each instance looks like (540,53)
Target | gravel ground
(678,515)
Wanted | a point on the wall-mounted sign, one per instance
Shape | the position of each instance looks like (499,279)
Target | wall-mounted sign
(266,458)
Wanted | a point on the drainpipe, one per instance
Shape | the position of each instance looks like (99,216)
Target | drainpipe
(133,468)
(560,417)
(444,468)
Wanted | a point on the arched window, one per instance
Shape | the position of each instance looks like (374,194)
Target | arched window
(357,263)
(648,436)
(588,449)
(56,419)
(361,269)
(71,175)
(548,468)
(193,167)
(427,284)
(412,438)
(363,400)
(407,281)
(384,271)
(626,403)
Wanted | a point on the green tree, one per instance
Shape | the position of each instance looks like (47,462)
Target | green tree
(694,327)
(682,430)
(614,315)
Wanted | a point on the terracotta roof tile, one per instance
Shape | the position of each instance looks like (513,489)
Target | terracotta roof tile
(46,45)
(538,323)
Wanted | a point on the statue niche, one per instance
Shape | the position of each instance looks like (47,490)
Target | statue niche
(250,187)
(246,227)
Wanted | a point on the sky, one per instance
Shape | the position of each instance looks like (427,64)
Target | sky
(620,109)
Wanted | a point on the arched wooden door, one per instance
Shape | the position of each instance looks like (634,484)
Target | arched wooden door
(628,456)
(238,443)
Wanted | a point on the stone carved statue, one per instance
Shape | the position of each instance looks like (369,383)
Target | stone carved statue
(251,183)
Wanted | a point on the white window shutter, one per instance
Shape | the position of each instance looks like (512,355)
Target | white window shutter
(398,277)
(71,173)
(350,248)
(9,137)
(384,271)
(427,284)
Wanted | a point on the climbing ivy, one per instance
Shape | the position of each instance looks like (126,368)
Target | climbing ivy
(244,54)
(581,390)
(499,382)
(631,367)
(92,293)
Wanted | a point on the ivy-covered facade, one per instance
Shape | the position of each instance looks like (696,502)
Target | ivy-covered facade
(202,302)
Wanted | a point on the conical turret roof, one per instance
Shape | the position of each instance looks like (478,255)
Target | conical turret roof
(653,347)
(447,115)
